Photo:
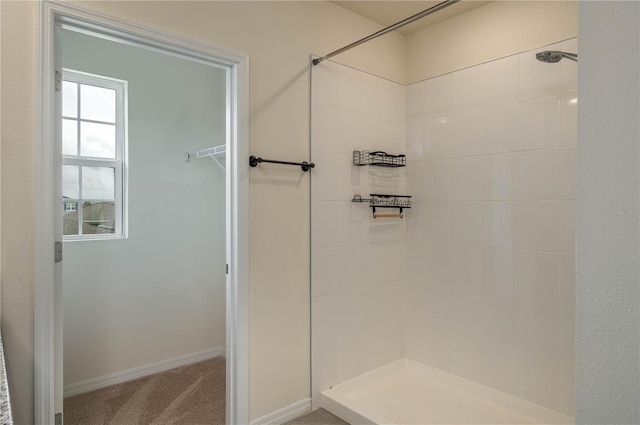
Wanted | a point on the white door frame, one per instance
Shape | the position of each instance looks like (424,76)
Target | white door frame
(47,291)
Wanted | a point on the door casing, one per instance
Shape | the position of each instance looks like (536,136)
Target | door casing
(48,219)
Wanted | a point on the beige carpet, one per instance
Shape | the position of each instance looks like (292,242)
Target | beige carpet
(188,395)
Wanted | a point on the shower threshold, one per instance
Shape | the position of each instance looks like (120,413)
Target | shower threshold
(407,392)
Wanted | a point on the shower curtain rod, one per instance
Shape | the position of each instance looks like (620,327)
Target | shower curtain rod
(393,27)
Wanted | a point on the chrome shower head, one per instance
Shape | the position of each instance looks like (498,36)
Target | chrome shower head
(552,56)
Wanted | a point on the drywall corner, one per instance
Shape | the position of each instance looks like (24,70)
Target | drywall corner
(608,272)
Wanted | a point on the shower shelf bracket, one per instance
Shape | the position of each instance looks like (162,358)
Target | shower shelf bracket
(378,158)
(400,202)
(216,153)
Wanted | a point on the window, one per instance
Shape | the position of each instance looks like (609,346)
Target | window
(93,156)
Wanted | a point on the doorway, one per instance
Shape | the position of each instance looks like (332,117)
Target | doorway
(111,324)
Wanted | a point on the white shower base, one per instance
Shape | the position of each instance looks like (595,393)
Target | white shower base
(407,392)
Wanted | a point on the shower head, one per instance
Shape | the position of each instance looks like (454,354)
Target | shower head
(552,56)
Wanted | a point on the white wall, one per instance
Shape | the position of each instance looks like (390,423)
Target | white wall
(490,240)
(357,262)
(160,293)
(278,37)
(608,293)
(486,33)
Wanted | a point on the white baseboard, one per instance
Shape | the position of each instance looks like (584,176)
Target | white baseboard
(285,414)
(140,371)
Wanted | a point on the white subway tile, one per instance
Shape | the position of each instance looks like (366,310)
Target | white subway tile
(501,367)
(374,133)
(501,170)
(349,136)
(538,327)
(538,377)
(415,141)
(539,174)
(330,313)
(566,333)
(352,223)
(324,216)
(437,138)
(547,226)
(567,281)
(468,89)
(538,277)
(468,268)
(500,224)
(416,101)
(500,81)
(438,94)
(539,124)
(325,178)
(467,133)
(567,227)
(467,313)
(415,259)
(438,303)
(569,119)
(373,95)
(470,178)
(414,222)
(468,357)
(568,173)
(500,128)
(326,359)
(501,320)
(467,223)
(437,264)
(436,180)
(324,84)
(350,89)
(437,348)
(500,272)
(335,270)
(436,222)
(324,129)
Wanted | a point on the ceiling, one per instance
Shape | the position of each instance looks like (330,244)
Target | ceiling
(389,12)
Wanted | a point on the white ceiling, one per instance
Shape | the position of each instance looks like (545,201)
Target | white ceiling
(389,12)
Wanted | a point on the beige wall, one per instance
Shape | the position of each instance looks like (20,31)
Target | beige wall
(489,32)
(17,84)
(278,37)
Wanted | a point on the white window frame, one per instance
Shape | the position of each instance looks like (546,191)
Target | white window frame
(119,163)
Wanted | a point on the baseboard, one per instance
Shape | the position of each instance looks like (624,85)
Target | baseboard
(140,371)
(285,414)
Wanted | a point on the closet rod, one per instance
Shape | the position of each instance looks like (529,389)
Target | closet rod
(393,27)
(253,161)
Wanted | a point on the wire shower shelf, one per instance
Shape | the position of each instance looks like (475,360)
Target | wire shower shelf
(378,158)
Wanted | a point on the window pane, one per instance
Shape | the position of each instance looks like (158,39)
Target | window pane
(98,183)
(70,181)
(70,137)
(98,218)
(97,140)
(69,218)
(97,103)
(69,99)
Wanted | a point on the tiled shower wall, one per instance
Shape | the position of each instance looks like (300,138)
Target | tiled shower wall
(489,253)
(357,262)
(490,240)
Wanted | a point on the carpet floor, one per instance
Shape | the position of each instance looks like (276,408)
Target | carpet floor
(188,395)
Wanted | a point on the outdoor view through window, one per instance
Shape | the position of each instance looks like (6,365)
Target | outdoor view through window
(93,134)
